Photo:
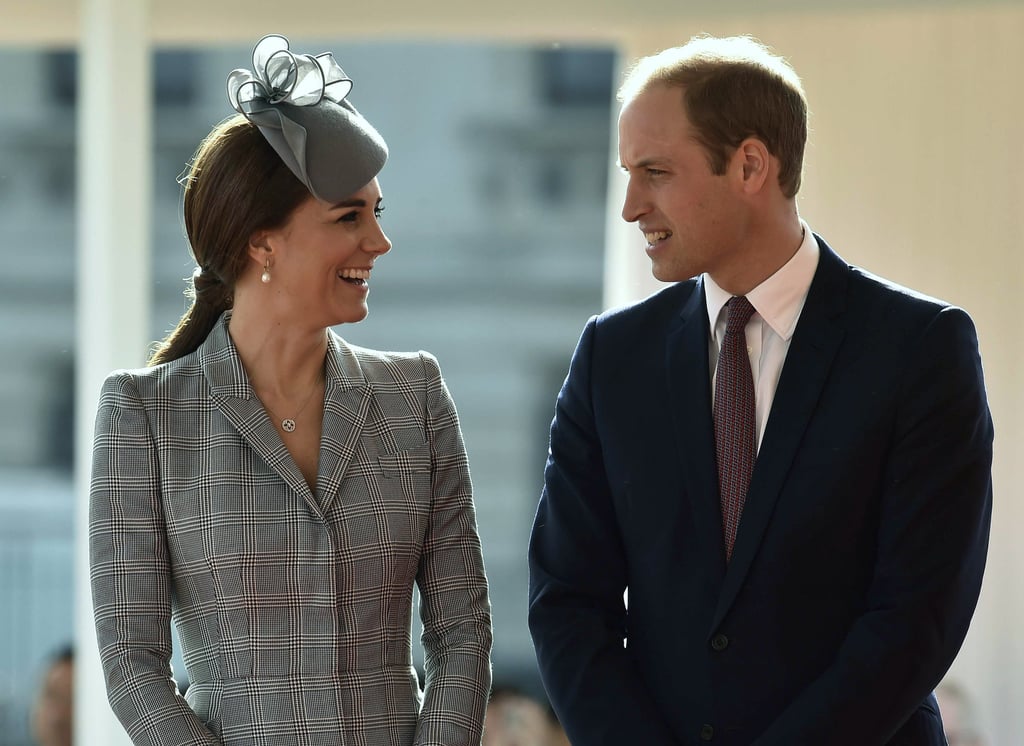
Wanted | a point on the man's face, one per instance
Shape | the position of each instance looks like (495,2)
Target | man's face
(692,219)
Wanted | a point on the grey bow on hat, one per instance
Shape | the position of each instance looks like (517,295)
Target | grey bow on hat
(298,102)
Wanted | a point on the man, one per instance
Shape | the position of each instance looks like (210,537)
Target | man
(796,502)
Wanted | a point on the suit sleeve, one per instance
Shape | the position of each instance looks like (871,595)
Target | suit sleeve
(577,579)
(932,542)
(131,575)
(454,607)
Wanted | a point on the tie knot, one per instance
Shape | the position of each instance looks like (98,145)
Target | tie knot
(739,313)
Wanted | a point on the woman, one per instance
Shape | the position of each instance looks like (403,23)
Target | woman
(274,488)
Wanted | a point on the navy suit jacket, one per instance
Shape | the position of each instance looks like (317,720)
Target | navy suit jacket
(859,555)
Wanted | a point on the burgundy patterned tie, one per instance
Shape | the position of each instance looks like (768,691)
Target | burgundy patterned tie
(733,412)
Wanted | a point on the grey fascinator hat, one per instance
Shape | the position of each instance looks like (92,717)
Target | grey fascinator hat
(298,102)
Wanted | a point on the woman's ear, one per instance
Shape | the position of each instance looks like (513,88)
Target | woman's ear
(259,247)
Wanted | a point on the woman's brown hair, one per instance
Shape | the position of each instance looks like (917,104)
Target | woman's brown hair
(235,185)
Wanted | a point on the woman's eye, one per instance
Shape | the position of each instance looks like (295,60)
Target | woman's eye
(349,217)
(378,211)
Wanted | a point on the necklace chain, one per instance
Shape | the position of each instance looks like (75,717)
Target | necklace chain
(288,423)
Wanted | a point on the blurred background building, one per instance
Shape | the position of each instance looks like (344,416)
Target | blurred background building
(502,202)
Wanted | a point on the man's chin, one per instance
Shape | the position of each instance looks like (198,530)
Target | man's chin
(668,274)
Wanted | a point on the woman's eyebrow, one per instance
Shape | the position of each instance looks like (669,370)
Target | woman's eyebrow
(349,203)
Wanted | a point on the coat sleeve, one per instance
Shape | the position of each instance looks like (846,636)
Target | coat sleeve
(454,607)
(131,575)
(577,580)
(932,542)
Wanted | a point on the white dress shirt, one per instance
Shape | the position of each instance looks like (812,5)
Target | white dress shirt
(777,304)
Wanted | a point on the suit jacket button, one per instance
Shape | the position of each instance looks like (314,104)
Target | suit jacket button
(719,643)
(706,732)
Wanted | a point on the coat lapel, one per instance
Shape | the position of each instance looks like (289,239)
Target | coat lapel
(346,404)
(690,397)
(815,342)
(347,397)
(234,396)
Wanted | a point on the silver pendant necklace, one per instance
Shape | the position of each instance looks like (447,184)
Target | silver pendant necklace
(288,423)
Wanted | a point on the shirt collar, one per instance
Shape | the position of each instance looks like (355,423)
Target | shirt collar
(780,298)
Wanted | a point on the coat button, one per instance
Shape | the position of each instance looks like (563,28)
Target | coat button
(719,643)
(706,732)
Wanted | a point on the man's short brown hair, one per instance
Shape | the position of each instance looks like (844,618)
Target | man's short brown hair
(733,88)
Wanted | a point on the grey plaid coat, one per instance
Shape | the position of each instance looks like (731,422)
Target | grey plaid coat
(293,609)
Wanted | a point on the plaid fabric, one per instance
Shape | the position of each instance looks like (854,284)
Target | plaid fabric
(293,609)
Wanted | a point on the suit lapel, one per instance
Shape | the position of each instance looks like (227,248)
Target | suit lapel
(347,402)
(815,342)
(690,397)
(234,396)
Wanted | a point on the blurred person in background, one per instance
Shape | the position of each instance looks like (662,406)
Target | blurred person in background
(53,710)
(275,490)
(515,718)
(959,715)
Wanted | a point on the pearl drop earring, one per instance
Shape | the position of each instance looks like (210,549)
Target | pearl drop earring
(265,277)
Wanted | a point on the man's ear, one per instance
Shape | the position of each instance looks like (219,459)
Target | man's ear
(753,164)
